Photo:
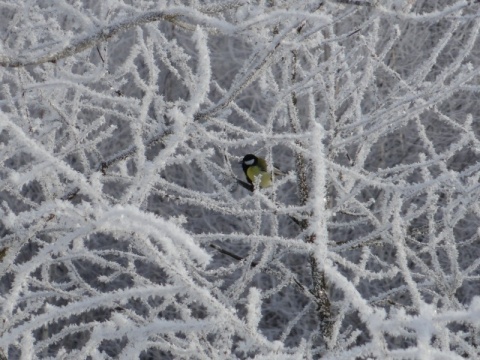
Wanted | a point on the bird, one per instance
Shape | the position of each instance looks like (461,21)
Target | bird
(254,166)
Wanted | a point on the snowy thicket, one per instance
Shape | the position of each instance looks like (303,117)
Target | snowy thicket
(127,229)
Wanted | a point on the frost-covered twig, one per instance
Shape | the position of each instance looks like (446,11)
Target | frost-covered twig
(105,33)
(118,168)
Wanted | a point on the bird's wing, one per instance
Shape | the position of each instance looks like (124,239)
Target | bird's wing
(262,164)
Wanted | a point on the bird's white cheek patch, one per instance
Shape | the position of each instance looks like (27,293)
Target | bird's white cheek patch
(249,162)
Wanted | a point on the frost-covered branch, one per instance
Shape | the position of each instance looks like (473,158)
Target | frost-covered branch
(128,228)
(107,32)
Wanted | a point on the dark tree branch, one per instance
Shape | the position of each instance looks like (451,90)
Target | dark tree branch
(320,285)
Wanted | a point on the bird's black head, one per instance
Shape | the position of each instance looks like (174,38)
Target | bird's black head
(249,160)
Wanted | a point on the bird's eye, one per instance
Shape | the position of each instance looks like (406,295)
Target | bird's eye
(249,162)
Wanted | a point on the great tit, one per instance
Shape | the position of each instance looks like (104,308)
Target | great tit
(254,166)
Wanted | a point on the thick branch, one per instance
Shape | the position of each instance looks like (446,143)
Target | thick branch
(107,32)
(320,286)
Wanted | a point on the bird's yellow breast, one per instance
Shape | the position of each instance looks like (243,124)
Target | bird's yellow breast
(265,180)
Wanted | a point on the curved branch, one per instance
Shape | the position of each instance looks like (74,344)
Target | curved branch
(105,33)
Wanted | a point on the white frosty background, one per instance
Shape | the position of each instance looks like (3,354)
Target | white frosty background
(121,127)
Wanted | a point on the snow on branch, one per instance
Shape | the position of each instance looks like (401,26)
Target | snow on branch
(131,225)
(105,33)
